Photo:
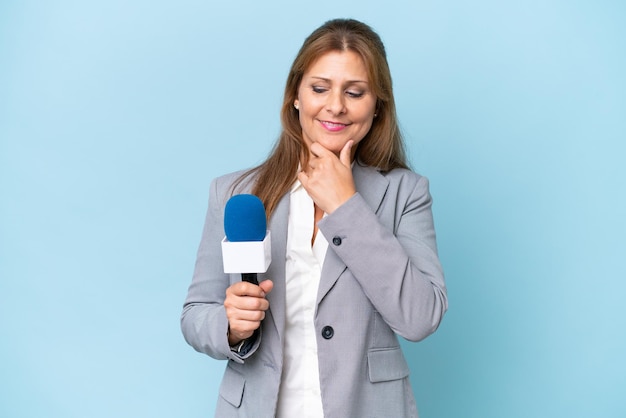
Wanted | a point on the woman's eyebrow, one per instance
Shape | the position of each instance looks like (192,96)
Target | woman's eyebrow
(328,80)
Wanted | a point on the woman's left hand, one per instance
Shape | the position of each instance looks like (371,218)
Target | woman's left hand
(328,179)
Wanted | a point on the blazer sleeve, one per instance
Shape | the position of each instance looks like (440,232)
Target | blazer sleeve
(203,321)
(395,262)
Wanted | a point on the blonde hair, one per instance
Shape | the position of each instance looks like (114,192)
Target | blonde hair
(382,147)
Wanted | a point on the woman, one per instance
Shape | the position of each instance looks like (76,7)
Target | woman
(354,258)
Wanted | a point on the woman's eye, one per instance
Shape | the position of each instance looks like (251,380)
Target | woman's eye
(317,89)
(354,94)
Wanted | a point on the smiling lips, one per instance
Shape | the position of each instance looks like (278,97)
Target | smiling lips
(333,126)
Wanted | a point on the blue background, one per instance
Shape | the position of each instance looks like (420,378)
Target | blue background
(115,116)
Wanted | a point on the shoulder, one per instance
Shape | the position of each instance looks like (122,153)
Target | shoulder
(401,178)
(403,175)
(225,186)
(240,181)
(408,186)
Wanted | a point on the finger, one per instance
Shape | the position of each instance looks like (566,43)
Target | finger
(245,289)
(243,323)
(315,149)
(246,303)
(242,317)
(304,179)
(346,154)
(266,286)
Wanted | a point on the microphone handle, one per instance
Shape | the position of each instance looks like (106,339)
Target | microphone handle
(250,278)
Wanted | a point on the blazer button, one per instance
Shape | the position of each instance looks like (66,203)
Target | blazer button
(328,332)
(337,241)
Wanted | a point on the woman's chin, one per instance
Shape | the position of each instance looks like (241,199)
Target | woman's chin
(333,146)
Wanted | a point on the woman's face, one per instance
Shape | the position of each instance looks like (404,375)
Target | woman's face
(335,101)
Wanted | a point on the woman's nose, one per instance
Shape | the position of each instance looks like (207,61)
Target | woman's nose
(335,104)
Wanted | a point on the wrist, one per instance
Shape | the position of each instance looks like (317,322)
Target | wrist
(232,340)
(243,347)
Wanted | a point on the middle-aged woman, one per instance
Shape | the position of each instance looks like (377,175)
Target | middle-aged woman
(354,257)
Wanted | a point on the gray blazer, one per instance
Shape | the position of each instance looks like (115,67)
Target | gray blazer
(381,278)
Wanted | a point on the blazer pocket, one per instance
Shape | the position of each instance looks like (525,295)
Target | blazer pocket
(386,364)
(232,386)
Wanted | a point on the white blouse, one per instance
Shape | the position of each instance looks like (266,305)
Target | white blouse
(300,394)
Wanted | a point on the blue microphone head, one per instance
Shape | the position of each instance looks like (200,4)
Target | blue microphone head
(244,218)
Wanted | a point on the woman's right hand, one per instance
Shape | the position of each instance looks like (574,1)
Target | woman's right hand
(245,305)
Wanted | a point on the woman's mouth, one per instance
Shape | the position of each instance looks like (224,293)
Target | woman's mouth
(333,126)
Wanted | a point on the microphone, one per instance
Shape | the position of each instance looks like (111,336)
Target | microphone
(246,248)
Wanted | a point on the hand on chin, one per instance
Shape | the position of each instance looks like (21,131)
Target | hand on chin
(328,177)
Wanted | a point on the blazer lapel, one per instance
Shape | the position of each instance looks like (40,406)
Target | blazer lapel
(276,271)
(372,186)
